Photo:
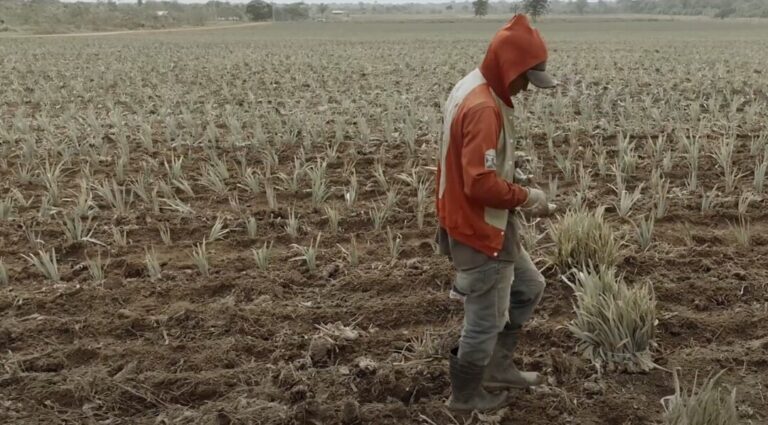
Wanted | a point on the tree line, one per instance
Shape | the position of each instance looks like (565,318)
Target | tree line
(54,16)
(713,8)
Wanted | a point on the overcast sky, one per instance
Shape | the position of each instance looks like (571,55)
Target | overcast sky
(308,1)
(293,1)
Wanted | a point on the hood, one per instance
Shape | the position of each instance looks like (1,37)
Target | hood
(514,49)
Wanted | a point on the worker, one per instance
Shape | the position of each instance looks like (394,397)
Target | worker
(477,197)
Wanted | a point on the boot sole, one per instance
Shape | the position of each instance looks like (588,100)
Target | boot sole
(463,409)
(503,386)
(505,401)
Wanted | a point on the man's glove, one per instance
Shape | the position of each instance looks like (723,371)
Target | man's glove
(536,205)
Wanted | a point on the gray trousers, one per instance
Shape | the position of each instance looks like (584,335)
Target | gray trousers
(498,295)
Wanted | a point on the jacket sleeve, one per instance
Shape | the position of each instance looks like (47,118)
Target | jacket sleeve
(481,128)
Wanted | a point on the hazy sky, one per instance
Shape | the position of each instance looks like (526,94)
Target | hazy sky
(292,1)
(310,1)
(316,1)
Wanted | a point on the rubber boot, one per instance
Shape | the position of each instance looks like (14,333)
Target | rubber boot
(467,392)
(502,372)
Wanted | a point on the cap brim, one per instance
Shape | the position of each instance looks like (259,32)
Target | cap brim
(541,79)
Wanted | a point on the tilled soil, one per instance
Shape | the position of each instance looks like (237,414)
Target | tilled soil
(244,346)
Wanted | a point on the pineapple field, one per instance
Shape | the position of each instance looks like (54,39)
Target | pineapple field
(237,226)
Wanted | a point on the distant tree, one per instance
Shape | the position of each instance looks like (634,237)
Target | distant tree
(259,10)
(322,8)
(581,6)
(536,8)
(139,3)
(725,12)
(481,7)
(295,11)
(449,7)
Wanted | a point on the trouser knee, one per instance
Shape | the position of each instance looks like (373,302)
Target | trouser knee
(524,298)
(482,325)
(528,292)
(538,287)
(477,346)
(486,305)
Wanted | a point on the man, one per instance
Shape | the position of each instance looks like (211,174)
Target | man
(476,199)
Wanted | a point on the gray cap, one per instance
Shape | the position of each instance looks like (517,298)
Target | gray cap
(539,77)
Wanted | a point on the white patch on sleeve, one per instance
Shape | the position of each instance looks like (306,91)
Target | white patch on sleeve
(490,159)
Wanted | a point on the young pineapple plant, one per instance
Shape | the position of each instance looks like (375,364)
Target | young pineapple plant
(308,254)
(644,232)
(615,323)
(378,215)
(581,238)
(218,231)
(97,268)
(46,264)
(115,196)
(262,255)
(742,231)
(627,200)
(395,244)
(252,227)
(199,256)
(152,264)
(251,181)
(421,201)
(269,192)
(333,217)
(350,193)
(3,272)
(292,224)
(120,236)
(76,230)
(165,233)
(661,198)
(319,184)
(758,180)
(708,404)
(352,254)
(293,182)
(708,200)
(6,208)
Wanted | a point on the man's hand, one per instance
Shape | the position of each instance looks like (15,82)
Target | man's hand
(536,205)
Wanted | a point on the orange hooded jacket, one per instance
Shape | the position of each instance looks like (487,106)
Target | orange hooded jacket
(472,190)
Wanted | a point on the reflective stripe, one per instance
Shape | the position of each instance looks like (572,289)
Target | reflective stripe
(455,98)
